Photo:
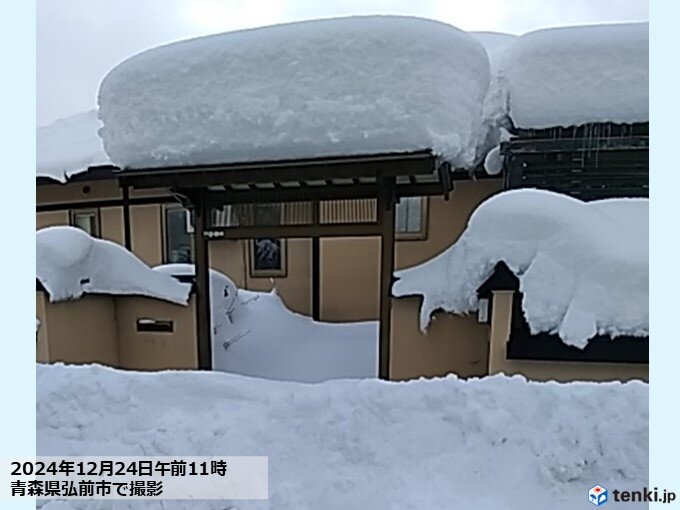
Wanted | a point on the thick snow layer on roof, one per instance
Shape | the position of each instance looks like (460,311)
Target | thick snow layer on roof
(583,266)
(426,444)
(69,146)
(495,44)
(318,88)
(70,263)
(255,334)
(575,75)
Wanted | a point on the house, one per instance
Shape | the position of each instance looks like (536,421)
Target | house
(300,199)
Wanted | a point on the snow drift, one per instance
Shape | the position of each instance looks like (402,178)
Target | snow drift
(69,146)
(70,263)
(316,88)
(570,76)
(255,334)
(430,445)
(583,266)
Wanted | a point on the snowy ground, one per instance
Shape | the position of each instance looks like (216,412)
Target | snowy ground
(493,444)
(267,340)
(255,334)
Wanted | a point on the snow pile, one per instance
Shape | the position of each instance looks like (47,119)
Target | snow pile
(255,334)
(70,263)
(583,266)
(316,88)
(575,75)
(69,146)
(437,444)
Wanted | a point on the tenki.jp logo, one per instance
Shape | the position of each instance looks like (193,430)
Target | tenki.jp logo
(598,495)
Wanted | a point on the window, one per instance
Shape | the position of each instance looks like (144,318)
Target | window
(178,239)
(411,218)
(86,220)
(267,257)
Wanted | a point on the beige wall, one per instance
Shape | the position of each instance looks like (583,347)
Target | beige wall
(146,233)
(446,221)
(103,329)
(111,224)
(350,267)
(51,219)
(350,278)
(80,331)
(451,344)
(142,350)
(548,370)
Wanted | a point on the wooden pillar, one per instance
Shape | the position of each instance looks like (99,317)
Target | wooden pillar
(316,266)
(386,212)
(202,265)
(127,231)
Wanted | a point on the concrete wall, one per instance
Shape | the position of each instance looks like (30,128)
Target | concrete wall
(501,317)
(451,344)
(79,331)
(103,329)
(142,350)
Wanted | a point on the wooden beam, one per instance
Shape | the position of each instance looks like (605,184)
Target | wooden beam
(127,229)
(295,170)
(202,268)
(295,231)
(386,214)
(115,202)
(316,266)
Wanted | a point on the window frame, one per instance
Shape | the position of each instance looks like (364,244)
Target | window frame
(164,233)
(97,219)
(421,234)
(268,273)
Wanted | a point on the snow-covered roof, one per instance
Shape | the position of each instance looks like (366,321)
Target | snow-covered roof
(576,75)
(495,44)
(69,146)
(329,87)
(70,263)
(583,266)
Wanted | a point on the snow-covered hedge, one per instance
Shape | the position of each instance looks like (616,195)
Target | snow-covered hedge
(583,266)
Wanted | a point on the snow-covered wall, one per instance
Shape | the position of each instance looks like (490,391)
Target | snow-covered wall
(70,263)
(583,266)
(570,76)
(69,146)
(318,88)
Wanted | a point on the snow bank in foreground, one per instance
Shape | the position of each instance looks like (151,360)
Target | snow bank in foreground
(583,266)
(70,263)
(430,445)
(255,334)
(570,76)
(315,88)
(69,146)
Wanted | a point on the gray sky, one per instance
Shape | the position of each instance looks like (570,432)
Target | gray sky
(78,41)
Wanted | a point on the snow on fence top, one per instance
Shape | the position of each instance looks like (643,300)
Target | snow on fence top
(70,263)
(69,146)
(317,88)
(583,266)
(576,75)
